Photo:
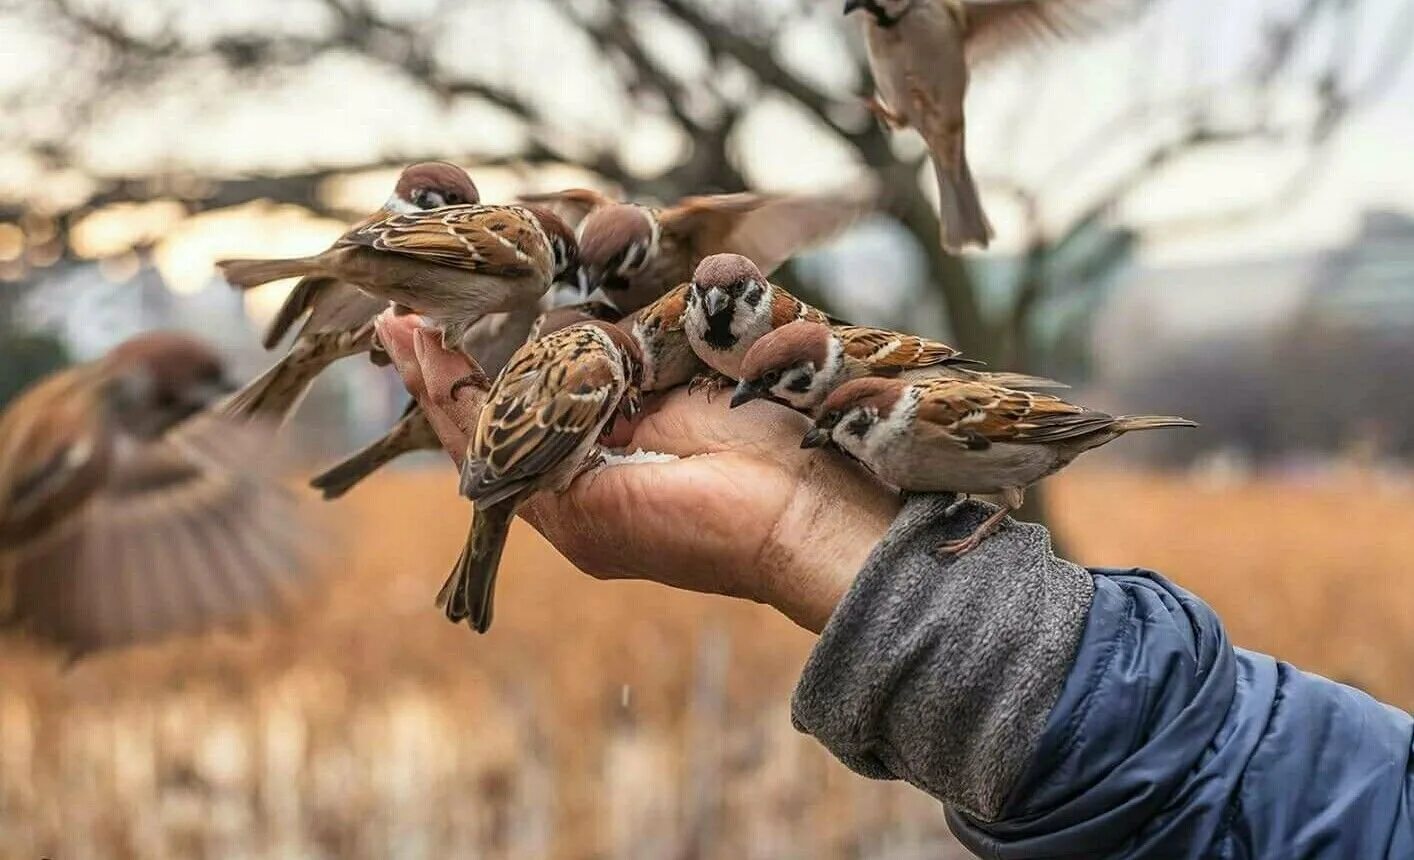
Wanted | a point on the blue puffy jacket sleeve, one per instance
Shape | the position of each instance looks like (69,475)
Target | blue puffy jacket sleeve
(1168,742)
(1153,738)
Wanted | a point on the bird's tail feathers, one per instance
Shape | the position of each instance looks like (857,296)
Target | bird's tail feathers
(344,476)
(274,394)
(1130,423)
(245,274)
(469,593)
(960,208)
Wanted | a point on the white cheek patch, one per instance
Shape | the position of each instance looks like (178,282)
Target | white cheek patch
(399,206)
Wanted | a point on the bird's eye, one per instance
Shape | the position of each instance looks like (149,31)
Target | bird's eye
(858,425)
(770,378)
(453,198)
(425,198)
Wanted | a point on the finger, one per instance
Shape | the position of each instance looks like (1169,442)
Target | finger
(453,419)
(395,334)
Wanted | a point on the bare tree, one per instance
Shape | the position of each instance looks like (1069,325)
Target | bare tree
(740,63)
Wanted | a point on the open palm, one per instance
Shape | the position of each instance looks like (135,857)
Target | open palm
(742,507)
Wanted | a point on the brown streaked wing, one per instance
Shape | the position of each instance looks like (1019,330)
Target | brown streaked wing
(668,313)
(972,412)
(541,410)
(492,240)
(765,228)
(572,205)
(890,350)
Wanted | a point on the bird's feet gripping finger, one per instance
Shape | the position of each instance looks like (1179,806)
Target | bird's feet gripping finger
(711,383)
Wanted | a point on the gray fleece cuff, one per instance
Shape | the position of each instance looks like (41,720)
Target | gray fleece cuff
(943,673)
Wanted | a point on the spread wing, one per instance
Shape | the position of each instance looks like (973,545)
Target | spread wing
(502,241)
(995,27)
(893,352)
(555,394)
(573,205)
(186,533)
(976,414)
(767,229)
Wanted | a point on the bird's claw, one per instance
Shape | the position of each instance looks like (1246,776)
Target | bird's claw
(711,384)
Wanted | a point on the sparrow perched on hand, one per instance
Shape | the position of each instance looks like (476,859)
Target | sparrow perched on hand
(539,429)
(490,344)
(800,363)
(730,305)
(965,436)
(660,332)
(453,265)
(635,254)
(125,515)
(920,53)
(338,316)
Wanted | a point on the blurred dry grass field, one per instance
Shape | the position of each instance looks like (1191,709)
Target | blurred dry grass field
(597,720)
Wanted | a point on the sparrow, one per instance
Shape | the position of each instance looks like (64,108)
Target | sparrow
(730,305)
(965,436)
(538,430)
(128,512)
(487,346)
(453,265)
(659,331)
(800,363)
(635,254)
(338,317)
(921,53)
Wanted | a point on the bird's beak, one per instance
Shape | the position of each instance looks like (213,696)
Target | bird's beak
(745,393)
(853,6)
(816,437)
(715,301)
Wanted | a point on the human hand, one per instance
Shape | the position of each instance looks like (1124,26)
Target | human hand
(745,512)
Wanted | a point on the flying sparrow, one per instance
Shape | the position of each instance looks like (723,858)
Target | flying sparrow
(800,363)
(489,344)
(453,265)
(128,513)
(920,53)
(539,429)
(965,436)
(635,254)
(338,317)
(659,330)
(730,305)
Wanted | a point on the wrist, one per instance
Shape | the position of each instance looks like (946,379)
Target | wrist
(822,540)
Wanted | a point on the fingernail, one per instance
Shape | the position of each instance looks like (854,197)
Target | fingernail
(419,346)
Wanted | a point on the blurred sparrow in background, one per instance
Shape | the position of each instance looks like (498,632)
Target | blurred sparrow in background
(921,51)
(965,436)
(127,513)
(800,363)
(635,254)
(539,429)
